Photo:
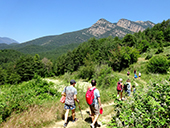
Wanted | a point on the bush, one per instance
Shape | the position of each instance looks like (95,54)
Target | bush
(158,64)
(20,97)
(148,56)
(104,76)
(160,50)
(86,72)
(146,110)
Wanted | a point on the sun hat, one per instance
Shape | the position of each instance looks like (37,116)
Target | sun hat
(120,79)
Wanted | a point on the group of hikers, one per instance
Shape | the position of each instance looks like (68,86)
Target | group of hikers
(70,93)
(127,87)
(71,96)
(135,74)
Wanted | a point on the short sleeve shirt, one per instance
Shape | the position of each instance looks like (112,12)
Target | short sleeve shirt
(70,92)
(96,95)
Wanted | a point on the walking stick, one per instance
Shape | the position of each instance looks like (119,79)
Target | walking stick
(80,111)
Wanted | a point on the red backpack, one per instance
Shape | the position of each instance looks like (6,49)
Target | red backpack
(119,86)
(90,96)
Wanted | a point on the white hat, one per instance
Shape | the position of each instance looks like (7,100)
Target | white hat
(120,79)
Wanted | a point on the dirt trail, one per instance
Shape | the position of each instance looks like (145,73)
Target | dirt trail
(103,119)
(86,119)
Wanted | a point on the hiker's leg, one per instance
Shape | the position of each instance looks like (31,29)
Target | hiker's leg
(95,119)
(92,117)
(73,114)
(66,115)
(121,95)
(117,93)
(90,112)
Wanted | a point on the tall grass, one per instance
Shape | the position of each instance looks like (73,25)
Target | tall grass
(36,116)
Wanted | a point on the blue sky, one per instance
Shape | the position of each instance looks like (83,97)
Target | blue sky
(25,20)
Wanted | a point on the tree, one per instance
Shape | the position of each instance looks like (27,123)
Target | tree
(129,40)
(2,76)
(47,64)
(27,66)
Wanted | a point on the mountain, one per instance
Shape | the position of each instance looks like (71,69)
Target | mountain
(101,29)
(134,26)
(6,40)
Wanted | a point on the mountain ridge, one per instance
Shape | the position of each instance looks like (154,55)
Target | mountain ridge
(6,40)
(101,29)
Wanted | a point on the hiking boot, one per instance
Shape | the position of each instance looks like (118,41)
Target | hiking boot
(91,125)
(97,125)
(65,125)
(75,120)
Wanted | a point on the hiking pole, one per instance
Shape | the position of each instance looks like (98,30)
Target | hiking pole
(80,111)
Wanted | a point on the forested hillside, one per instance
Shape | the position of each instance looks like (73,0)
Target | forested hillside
(117,53)
(105,59)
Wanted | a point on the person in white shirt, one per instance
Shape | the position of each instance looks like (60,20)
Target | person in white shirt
(139,75)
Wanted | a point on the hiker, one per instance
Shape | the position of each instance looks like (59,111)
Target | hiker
(119,88)
(96,105)
(135,76)
(135,71)
(128,73)
(139,75)
(125,89)
(134,89)
(129,87)
(71,97)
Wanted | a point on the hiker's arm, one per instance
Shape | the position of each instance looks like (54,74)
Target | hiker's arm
(75,98)
(99,102)
(63,94)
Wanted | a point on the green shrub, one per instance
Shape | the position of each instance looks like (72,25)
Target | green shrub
(146,110)
(104,76)
(86,72)
(148,56)
(20,97)
(158,64)
(160,50)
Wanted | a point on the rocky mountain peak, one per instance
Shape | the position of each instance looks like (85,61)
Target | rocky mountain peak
(101,27)
(134,26)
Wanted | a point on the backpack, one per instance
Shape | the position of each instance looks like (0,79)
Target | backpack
(125,87)
(119,86)
(90,96)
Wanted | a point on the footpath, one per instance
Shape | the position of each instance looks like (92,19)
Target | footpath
(86,121)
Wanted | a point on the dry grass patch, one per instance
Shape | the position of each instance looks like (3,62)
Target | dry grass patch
(36,116)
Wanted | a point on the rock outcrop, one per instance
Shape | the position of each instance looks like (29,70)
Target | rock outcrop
(134,26)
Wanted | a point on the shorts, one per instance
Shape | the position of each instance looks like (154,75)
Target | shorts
(128,92)
(71,107)
(94,109)
(120,90)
